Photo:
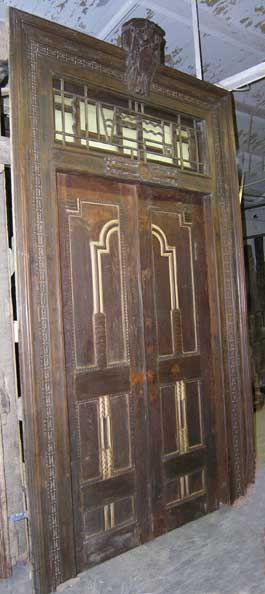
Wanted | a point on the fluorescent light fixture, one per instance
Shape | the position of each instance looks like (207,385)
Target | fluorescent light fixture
(232,83)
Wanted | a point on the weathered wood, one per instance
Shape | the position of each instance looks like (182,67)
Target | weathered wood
(48,294)
(142,40)
(5,559)
(14,538)
(5,156)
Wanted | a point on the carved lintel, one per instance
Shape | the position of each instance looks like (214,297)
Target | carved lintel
(146,172)
(144,42)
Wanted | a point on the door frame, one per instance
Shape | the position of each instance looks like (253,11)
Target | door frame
(40,50)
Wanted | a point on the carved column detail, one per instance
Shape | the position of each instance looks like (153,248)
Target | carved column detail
(231,338)
(49,464)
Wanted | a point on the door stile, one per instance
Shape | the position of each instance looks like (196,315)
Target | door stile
(156,479)
(178,372)
(58,435)
(218,381)
(138,368)
(92,383)
(201,273)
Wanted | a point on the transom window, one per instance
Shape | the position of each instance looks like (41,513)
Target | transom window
(129,128)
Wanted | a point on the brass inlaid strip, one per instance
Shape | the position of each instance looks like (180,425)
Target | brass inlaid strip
(182,487)
(112,515)
(105,436)
(106,517)
(109,516)
(180,395)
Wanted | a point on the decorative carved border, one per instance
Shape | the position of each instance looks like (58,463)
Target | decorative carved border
(68,58)
(142,172)
(181,96)
(231,335)
(36,50)
(41,268)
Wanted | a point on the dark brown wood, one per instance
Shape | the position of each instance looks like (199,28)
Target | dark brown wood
(5,559)
(232,300)
(71,507)
(105,379)
(179,381)
(144,43)
(211,218)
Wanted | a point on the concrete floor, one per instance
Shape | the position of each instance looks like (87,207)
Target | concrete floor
(222,553)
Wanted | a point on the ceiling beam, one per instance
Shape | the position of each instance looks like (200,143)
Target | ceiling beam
(216,27)
(249,109)
(124,11)
(246,77)
(251,198)
(250,151)
(234,35)
(196,39)
(254,182)
(180,16)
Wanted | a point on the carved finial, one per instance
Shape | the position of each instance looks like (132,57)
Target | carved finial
(144,42)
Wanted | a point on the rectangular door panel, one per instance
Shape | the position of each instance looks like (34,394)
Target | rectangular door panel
(174,283)
(104,361)
(177,341)
(136,331)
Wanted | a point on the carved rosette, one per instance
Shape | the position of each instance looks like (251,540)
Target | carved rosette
(144,42)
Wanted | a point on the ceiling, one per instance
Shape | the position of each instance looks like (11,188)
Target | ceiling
(232,40)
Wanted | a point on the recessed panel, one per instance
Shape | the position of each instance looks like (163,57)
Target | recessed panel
(162,263)
(197,482)
(169,419)
(113,299)
(193,413)
(173,492)
(97,285)
(93,521)
(186,287)
(124,510)
(81,284)
(114,514)
(174,283)
(121,432)
(89,436)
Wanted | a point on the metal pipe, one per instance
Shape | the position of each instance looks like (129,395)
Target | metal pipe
(196,38)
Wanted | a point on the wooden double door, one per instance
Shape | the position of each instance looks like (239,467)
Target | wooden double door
(138,361)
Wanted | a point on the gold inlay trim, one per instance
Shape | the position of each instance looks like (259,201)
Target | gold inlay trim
(105,435)
(180,396)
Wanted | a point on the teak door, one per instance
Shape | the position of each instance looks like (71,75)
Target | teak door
(178,356)
(103,332)
(137,343)
(133,344)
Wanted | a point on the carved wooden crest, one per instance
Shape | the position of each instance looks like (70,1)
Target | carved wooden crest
(144,42)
